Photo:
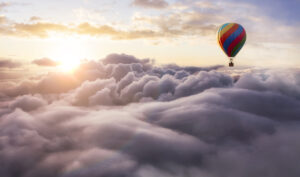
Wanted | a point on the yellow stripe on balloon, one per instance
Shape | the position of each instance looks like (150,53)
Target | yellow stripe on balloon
(224,30)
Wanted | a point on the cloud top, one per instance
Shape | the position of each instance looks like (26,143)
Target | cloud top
(45,62)
(8,63)
(124,116)
(157,4)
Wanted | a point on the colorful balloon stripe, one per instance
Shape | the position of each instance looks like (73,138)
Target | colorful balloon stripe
(238,47)
(228,33)
(222,31)
(236,42)
(231,37)
(223,26)
(226,28)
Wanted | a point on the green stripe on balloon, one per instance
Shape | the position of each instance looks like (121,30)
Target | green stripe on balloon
(238,47)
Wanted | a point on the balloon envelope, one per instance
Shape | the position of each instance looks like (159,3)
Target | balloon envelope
(231,37)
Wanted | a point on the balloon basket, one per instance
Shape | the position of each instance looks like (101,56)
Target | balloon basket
(231,62)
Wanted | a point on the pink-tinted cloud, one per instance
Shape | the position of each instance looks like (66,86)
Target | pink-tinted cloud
(45,62)
(8,63)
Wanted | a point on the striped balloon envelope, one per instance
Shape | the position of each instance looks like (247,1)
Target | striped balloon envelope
(231,37)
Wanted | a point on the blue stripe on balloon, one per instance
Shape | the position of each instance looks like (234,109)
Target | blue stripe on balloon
(232,37)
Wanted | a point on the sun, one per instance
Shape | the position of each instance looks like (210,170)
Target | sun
(68,53)
(68,61)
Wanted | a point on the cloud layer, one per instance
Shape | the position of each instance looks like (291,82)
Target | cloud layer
(45,62)
(180,19)
(124,116)
(158,4)
(8,63)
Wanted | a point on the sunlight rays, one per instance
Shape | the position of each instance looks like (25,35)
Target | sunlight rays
(69,52)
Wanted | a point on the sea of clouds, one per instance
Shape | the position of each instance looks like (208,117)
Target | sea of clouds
(126,117)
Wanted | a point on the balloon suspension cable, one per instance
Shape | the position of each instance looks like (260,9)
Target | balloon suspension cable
(231,62)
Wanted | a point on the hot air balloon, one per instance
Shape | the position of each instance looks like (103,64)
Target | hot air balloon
(231,38)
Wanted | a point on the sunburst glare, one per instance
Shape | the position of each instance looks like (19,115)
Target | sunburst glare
(68,53)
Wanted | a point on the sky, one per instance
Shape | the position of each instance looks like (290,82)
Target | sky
(140,88)
(174,31)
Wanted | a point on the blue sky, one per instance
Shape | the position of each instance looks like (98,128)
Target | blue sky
(286,11)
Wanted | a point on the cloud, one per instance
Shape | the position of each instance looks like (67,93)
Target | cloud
(27,103)
(180,19)
(39,29)
(11,75)
(157,4)
(45,62)
(124,116)
(45,84)
(174,24)
(3,19)
(8,63)
(44,29)
(117,34)
(123,58)
(121,67)
(3,5)
(280,81)
(35,18)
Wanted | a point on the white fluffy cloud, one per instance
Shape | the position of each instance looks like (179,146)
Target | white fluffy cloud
(27,103)
(123,116)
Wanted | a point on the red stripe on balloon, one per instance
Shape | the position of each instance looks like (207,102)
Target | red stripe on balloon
(220,44)
(228,33)
(235,42)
